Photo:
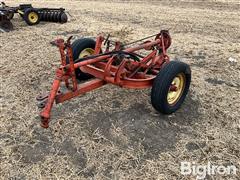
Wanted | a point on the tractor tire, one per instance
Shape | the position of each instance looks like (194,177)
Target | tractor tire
(170,87)
(6,25)
(31,17)
(83,48)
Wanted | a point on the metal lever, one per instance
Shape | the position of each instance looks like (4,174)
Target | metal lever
(105,42)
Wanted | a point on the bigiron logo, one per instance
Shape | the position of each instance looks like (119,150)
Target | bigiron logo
(201,171)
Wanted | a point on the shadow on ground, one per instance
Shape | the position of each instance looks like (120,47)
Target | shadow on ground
(140,124)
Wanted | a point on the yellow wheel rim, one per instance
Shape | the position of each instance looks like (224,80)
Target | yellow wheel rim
(86,52)
(176,89)
(33,17)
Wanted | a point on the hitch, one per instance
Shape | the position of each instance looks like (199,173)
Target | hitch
(122,66)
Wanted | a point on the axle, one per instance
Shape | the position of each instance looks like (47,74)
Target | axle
(120,66)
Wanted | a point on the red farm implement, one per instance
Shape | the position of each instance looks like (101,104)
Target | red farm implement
(104,61)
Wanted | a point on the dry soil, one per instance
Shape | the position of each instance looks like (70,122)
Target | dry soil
(114,133)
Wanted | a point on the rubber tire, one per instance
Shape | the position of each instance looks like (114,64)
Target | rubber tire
(78,46)
(25,16)
(162,83)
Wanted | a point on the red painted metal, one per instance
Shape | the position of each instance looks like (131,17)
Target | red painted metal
(118,68)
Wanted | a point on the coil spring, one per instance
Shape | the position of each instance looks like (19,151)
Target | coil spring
(53,16)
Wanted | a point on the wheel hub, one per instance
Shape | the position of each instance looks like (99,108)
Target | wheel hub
(33,17)
(86,52)
(176,89)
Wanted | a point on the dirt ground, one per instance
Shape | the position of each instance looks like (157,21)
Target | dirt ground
(114,133)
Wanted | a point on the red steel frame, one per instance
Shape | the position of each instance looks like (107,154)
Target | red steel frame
(128,73)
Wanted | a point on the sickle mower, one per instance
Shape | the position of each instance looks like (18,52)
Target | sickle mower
(120,65)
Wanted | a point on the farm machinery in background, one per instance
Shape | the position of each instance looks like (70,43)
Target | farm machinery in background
(30,15)
(103,61)
(5,23)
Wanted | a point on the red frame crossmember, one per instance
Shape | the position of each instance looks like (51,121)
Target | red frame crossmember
(116,68)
